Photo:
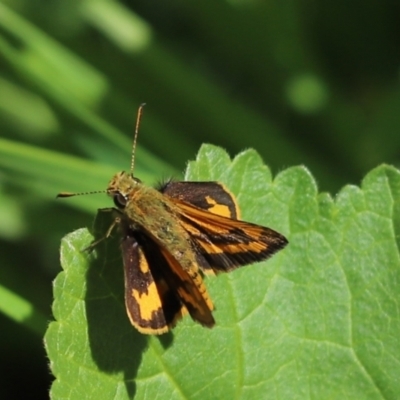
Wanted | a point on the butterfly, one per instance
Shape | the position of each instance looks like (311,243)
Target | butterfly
(172,236)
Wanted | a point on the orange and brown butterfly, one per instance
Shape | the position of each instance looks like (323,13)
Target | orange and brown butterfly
(173,235)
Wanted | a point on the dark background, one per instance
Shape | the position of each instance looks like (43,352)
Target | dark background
(303,82)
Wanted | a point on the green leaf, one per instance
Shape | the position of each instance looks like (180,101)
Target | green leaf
(319,320)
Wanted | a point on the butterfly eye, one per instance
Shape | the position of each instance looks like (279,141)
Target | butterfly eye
(119,200)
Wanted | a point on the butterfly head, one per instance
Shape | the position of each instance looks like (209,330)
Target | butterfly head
(121,187)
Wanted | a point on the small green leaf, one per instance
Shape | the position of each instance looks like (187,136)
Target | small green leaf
(319,320)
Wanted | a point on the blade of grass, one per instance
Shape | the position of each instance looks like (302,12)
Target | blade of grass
(22,311)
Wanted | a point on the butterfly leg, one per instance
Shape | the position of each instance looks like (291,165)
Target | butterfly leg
(117,220)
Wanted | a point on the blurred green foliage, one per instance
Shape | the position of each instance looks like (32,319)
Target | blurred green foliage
(314,83)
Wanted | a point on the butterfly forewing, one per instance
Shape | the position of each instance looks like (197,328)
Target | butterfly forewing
(227,243)
(152,305)
(209,196)
(158,291)
(222,241)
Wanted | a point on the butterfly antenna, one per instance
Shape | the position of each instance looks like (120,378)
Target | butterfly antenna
(69,194)
(138,118)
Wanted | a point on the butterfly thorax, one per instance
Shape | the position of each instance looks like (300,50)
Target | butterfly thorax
(154,213)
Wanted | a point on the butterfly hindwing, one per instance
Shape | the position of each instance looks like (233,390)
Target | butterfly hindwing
(190,289)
